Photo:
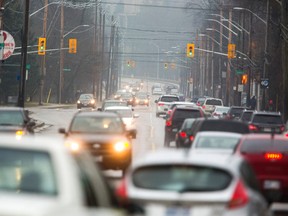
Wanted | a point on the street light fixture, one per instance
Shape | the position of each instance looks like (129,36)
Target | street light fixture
(214,20)
(211,29)
(74,29)
(205,35)
(246,9)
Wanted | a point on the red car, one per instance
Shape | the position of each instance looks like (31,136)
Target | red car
(268,156)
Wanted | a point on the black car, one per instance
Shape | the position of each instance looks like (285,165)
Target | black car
(181,138)
(266,122)
(246,115)
(16,120)
(211,124)
(86,100)
(104,135)
(234,112)
(176,119)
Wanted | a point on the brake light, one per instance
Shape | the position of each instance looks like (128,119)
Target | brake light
(203,107)
(273,156)
(191,138)
(169,112)
(240,197)
(252,127)
(183,134)
(121,191)
(160,104)
(286,134)
(216,114)
(282,128)
(168,123)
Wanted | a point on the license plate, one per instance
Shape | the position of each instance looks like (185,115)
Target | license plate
(174,130)
(177,211)
(271,184)
(267,129)
(98,159)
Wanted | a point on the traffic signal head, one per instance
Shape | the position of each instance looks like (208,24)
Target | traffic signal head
(231,51)
(128,63)
(165,65)
(72,45)
(190,50)
(244,79)
(41,46)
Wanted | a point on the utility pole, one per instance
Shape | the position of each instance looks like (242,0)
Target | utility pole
(43,59)
(250,56)
(95,45)
(61,63)
(108,80)
(220,57)
(103,56)
(21,95)
(284,21)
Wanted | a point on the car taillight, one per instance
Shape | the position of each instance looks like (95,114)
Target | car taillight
(273,156)
(191,138)
(286,135)
(203,107)
(183,134)
(160,104)
(216,114)
(121,191)
(239,197)
(169,112)
(282,128)
(168,123)
(253,127)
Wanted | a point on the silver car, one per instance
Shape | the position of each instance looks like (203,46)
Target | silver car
(216,142)
(170,182)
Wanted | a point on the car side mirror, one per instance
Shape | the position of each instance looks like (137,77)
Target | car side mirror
(62,131)
(31,124)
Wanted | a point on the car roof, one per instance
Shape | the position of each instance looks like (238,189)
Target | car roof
(267,113)
(183,102)
(172,156)
(118,108)
(169,95)
(96,114)
(218,134)
(185,107)
(264,136)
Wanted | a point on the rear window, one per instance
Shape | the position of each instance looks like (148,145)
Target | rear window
(213,102)
(181,178)
(263,145)
(267,119)
(217,142)
(169,99)
(183,114)
(226,126)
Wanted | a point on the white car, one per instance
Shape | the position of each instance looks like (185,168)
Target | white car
(41,176)
(171,182)
(216,142)
(126,114)
(163,103)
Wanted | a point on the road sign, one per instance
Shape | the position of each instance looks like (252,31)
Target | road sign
(239,72)
(264,83)
(7,45)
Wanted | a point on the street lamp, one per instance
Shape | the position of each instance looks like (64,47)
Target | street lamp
(158,66)
(61,64)
(214,20)
(211,29)
(246,9)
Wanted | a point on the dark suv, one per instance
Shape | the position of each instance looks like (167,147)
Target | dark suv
(266,122)
(176,119)
(234,112)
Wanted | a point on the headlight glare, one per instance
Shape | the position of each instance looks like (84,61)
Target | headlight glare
(121,146)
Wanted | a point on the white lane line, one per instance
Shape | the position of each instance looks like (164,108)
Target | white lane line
(153,146)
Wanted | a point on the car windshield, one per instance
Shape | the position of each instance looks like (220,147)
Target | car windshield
(264,145)
(181,178)
(27,171)
(267,119)
(91,124)
(11,118)
(216,142)
(213,102)
(124,113)
(225,126)
(169,99)
(86,96)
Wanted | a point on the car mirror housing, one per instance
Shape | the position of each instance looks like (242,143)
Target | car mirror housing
(62,131)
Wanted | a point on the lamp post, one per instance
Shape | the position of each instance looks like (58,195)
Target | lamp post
(229,29)
(61,64)
(158,66)
(211,29)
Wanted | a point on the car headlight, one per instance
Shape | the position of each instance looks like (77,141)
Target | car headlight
(72,146)
(137,101)
(19,134)
(92,101)
(78,102)
(146,101)
(121,146)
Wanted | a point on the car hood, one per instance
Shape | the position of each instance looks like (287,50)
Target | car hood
(10,128)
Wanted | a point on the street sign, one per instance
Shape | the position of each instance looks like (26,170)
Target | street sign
(239,72)
(7,45)
(66,69)
(240,88)
(264,83)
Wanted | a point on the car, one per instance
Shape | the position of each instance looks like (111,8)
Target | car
(216,142)
(266,122)
(220,111)
(109,102)
(16,120)
(181,135)
(129,98)
(208,104)
(267,154)
(86,100)
(246,115)
(211,124)
(176,119)
(157,91)
(234,112)
(42,175)
(176,183)
(177,103)
(119,93)
(127,116)
(104,135)
(163,103)
(142,99)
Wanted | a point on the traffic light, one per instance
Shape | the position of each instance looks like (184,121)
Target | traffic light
(231,51)
(41,46)
(244,79)
(72,45)
(190,50)
(166,66)
(128,63)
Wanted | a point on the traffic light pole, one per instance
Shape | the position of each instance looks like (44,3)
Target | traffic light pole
(21,95)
